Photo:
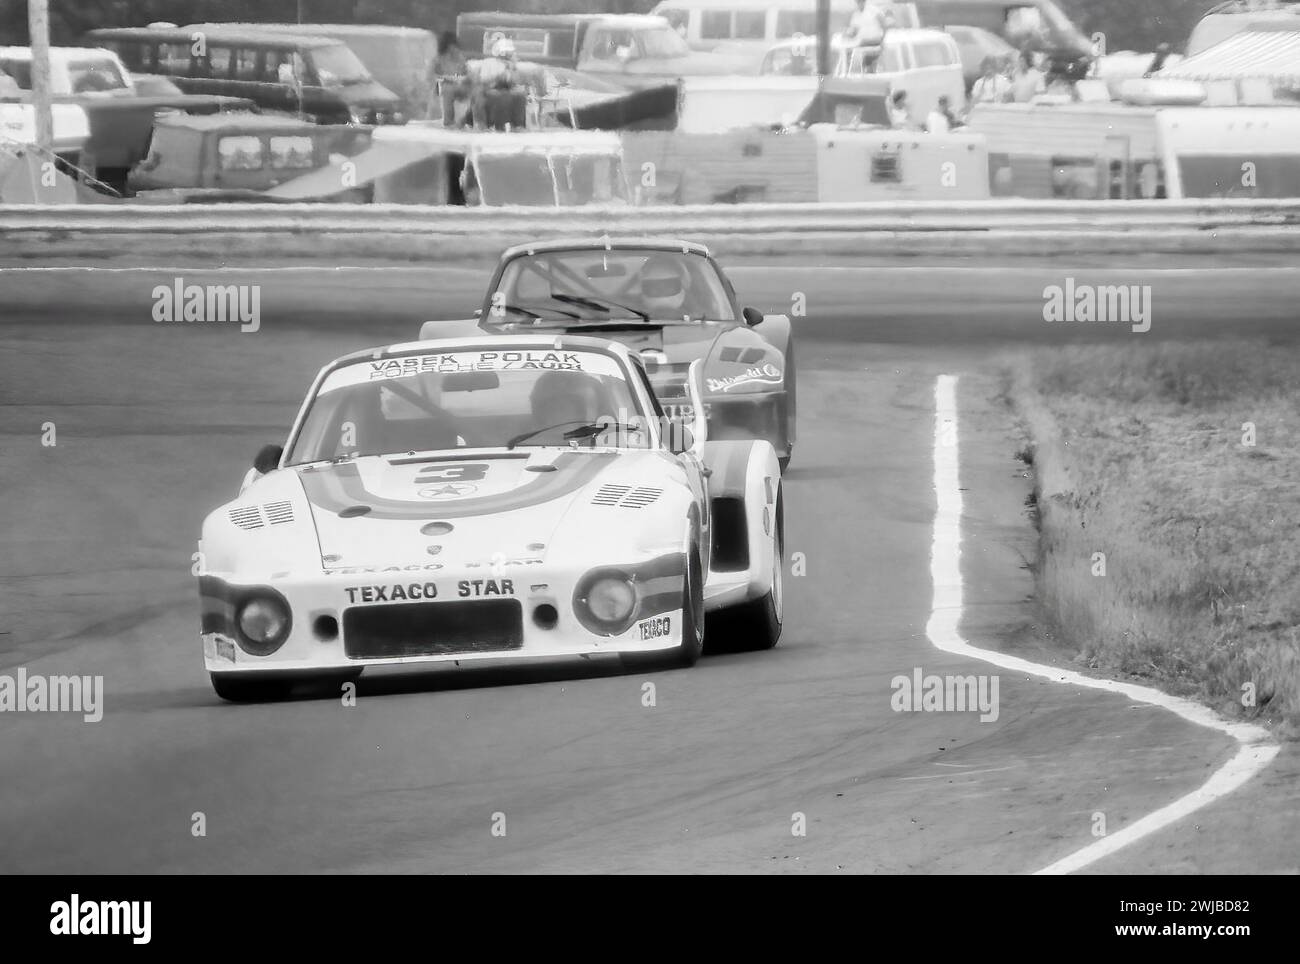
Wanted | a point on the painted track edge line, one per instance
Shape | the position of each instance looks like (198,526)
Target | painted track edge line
(1256,749)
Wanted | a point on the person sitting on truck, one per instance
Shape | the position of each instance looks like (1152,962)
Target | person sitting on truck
(498,99)
(898,113)
(448,80)
(941,120)
(1158,61)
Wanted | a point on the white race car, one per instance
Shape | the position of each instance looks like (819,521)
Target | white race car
(487,498)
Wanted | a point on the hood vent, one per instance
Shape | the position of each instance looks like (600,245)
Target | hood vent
(278,512)
(626,496)
(246,517)
(250,516)
(610,494)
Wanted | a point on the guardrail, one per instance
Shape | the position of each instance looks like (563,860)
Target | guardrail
(404,232)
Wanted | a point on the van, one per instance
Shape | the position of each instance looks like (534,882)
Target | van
(925,63)
(708,24)
(316,77)
(397,57)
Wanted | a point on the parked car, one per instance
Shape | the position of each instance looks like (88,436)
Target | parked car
(315,77)
(397,57)
(237,153)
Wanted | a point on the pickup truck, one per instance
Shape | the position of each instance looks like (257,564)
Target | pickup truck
(120,115)
(632,50)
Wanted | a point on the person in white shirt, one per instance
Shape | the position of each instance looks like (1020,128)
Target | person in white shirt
(898,113)
(1028,81)
(868,24)
(993,87)
(941,119)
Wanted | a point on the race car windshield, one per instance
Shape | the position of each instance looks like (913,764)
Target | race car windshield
(470,399)
(602,286)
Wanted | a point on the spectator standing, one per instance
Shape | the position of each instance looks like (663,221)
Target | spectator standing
(867,25)
(1028,81)
(448,79)
(992,87)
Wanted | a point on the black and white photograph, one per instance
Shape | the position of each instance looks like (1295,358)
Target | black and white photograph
(649,438)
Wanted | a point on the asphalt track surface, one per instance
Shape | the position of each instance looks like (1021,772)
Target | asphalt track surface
(156,424)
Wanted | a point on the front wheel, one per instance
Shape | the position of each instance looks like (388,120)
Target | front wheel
(692,645)
(246,688)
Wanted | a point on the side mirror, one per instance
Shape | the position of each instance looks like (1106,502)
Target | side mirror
(268,457)
(752,316)
(699,427)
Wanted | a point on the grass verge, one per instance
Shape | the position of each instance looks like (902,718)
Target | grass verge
(1168,502)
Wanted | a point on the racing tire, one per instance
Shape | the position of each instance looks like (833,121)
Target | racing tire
(756,625)
(240,688)
(693,623)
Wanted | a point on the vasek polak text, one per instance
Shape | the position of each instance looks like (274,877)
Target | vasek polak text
(488,361)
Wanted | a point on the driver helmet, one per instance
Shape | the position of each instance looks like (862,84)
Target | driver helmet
(399,407)
(562,397)
(663,287)
(503,48)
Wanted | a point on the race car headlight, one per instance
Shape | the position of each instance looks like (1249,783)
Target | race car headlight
(360,115)
(263,621)
(605,602)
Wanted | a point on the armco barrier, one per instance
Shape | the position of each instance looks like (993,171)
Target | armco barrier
(348,233)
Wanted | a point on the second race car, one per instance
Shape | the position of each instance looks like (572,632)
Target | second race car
(670,302)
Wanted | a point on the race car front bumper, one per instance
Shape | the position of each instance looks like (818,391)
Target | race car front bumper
(398,615)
